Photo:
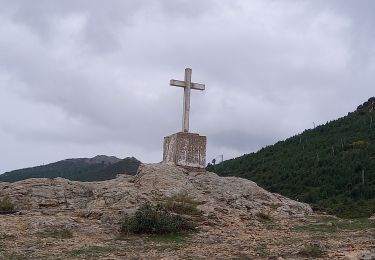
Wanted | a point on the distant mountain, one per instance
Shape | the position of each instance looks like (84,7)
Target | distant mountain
(331,166)
(128,166)
(98,168)
(102,159)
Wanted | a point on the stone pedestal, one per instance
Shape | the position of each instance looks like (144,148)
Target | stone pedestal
(185,149)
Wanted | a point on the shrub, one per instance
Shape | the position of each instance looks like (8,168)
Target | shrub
(6,204)
(182,203)
(264,216)
(150,219)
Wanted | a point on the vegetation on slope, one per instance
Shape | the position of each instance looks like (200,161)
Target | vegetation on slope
(170,216)
(6,204)
(331,167)
(98,168)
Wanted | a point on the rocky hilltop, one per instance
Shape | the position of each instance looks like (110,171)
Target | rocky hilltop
(152,183)
(238,218)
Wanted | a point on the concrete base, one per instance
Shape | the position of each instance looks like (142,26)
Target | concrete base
(185,149)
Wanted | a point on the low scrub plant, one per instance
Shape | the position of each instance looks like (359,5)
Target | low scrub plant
(155,219)
(6,204)
(264,216)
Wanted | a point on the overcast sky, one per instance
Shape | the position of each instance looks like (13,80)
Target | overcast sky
(82,77)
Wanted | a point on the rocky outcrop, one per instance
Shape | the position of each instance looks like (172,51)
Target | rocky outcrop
(369,105)
(152,183)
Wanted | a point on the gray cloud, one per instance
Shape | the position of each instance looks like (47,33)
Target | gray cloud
(79,78)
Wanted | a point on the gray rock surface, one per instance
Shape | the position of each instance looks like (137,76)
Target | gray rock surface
(113,198)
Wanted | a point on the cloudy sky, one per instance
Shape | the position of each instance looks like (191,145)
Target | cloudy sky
(82,77)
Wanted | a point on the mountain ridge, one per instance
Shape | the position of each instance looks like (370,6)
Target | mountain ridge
(97,168)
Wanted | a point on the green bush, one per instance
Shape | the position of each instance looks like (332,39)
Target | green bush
(150,219)
(6,204)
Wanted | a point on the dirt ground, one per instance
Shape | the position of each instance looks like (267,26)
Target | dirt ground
(317,236)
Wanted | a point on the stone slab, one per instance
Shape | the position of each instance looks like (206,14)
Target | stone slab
(185,149)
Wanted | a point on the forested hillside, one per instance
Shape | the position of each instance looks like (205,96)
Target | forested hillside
(331,167)
(98,168)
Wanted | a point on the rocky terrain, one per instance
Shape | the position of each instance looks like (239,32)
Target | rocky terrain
(62,219)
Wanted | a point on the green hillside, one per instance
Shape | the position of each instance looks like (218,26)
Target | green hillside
(98,168)
(332,167)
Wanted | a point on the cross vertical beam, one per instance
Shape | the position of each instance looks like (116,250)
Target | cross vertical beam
(185,120)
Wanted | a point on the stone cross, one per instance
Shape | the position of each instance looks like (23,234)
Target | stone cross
(187,85)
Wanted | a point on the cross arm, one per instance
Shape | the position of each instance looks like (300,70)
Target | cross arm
(180,83)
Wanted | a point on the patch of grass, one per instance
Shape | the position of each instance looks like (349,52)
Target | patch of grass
(6,236)
(56,233)
(92,250)
(372,235)
(322,236)
(261,250)
(311,251)
(275,206)
(150,219)
(269,225)
(6,204)
(172,241)
(181,203)
(266,219)
(316,228)
(330,224)
(5,254)
(168,238)
(241,256)
(291,241)
(356,224)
